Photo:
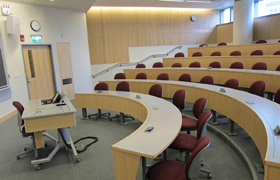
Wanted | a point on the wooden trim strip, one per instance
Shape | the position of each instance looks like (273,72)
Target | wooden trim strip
(8,116)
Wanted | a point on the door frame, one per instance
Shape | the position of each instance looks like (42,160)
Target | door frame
(52,62)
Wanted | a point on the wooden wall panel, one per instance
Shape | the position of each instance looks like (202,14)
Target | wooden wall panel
(225,33)
(112,30)
(267,27)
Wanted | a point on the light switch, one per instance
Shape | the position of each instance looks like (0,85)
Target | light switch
(19,75)
(15,75)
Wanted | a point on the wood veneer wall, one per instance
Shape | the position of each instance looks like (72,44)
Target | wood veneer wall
(267,27)
(112,30)
(225,33)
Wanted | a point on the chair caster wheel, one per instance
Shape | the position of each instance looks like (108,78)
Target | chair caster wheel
(209,176)
(24,149)
(18,157)
(37,167)
(78,160)
(202,164)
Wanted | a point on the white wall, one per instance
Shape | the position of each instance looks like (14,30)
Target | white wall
(57,25)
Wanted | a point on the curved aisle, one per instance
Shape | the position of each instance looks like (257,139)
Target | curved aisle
(256,115)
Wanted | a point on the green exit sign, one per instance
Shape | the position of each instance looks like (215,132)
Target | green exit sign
(36,38)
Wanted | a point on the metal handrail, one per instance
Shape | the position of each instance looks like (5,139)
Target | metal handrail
(134,63)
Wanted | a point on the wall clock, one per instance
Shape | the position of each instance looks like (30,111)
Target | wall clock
(35,25)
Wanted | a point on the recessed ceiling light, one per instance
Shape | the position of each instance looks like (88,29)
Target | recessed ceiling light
(52,0)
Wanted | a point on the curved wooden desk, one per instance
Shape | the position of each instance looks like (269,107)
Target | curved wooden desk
(258,119)
(246,49)
(128,152)
(248,61)
(245,77)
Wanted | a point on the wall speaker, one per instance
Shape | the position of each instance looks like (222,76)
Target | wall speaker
(13,25)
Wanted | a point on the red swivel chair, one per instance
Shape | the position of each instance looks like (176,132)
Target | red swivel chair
(207,80)
(189,124)
(222,44)
(175,170)
(179,54)
(177,65)
(163,76)
(235,53)
(156,90)
(257,53)
(185,77)
(141,76)
(277,53)
(100,87)
(140,66)
(236,65)
(197,54)
(215,64)
(258,88)
(260,41)
(206,45)
(277,68)
(232,83)
(158,65)
(179,99)
(195,65)
(260,66)
(216,53)
(279,41)
(120,76)
(277,97)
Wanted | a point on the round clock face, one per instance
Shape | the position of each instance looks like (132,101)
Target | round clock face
(35,25)
(193,17)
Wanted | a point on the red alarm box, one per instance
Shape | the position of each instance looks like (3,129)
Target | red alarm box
(21,38)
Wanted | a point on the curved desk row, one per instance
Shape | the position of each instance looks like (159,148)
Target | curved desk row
(257,116)
(152,111)
(246,49)
(248,61)
(246,77)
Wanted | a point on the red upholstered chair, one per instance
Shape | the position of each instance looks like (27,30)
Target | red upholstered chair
(156,90)
(175,170)
(257,53)
(279,41)
(120,76)
(215,64)
(235,53)
(179,99)
(216,53)
(177,65)
(260,41)
(158,65)
(207,80)
(195,65)
(197,54)
(206,45)
(276,53)
(258,88)
(232,83)
(179,54)
(100,87)
(189,124)
(222,44)
(185,77)
(259,66)
(141,76)
(277,97)
(163,76)
(140,66)
(277,68)
(236,65)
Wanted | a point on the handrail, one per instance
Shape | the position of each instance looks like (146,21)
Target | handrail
(134,63)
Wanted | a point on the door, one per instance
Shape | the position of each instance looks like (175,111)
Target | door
(65,69)
(39,71)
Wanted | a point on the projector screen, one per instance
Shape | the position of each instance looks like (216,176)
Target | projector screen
(3,73)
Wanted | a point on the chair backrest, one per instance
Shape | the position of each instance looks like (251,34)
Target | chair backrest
(156,90)
(193,164)
(179,99)
(258,88)
(195,64)
(207,80)
(179,54)
(232,83)
(277,53)
(215,64)
(277,97)
(257,53)
(101,86)
(163,76)
(176,65)
(20,110)
(236,65)
(158,65)
(216,53)
(140,66)
(277,68)
(141,76)
(120,76)
(197,54)
(235,53)
(123,86)
(202,123)
(206,45)
(199,107)
(260,66)
(185,77)
(222,44)
(260,41)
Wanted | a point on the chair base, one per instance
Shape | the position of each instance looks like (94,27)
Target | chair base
(121,117)
(99,115)
(29,150)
